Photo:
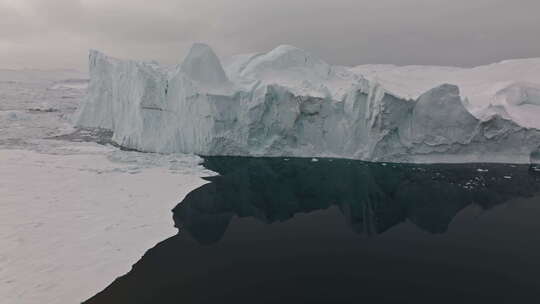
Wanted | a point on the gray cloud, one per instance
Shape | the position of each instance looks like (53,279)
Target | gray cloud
(58,33)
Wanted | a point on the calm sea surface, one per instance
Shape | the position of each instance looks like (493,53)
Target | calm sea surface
(275,230)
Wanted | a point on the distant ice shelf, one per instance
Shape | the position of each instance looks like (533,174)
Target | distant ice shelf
(287,102)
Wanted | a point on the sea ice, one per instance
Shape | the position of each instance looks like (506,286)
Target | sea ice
(74,216)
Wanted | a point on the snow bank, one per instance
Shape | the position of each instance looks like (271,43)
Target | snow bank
(287,102)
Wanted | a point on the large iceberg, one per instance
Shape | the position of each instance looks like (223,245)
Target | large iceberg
(287,102)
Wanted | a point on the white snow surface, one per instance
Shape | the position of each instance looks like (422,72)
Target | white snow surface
(512,85)
(287,102)
(71,224)
(74,215)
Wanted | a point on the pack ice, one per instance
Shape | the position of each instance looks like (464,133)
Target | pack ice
(287,102)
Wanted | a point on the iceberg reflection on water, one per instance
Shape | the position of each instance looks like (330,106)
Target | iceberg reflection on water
(372,197)
(297,231)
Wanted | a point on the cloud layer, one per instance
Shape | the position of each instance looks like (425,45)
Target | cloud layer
(58,33)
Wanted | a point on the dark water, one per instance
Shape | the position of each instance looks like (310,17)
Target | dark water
(339,231)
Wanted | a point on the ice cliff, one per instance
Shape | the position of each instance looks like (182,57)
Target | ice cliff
(287,102)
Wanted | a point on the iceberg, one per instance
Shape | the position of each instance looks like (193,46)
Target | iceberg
(287,102)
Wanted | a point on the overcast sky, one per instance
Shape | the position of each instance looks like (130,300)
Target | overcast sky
(58,33)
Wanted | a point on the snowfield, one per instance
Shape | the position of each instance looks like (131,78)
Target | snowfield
(287,102)
(71,224)
(74,215)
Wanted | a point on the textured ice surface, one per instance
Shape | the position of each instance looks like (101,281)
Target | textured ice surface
(287,102)
(73,222)
(74,215)
(36,104)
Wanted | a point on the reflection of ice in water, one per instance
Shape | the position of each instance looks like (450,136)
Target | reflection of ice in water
(342,231)
(372,197)
(74,215)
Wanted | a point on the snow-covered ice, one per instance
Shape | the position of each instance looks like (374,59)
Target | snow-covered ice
(74,215)
(509,88)
(71,224)
(287,102)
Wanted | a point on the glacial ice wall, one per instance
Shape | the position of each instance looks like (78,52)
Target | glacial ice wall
(287,102)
